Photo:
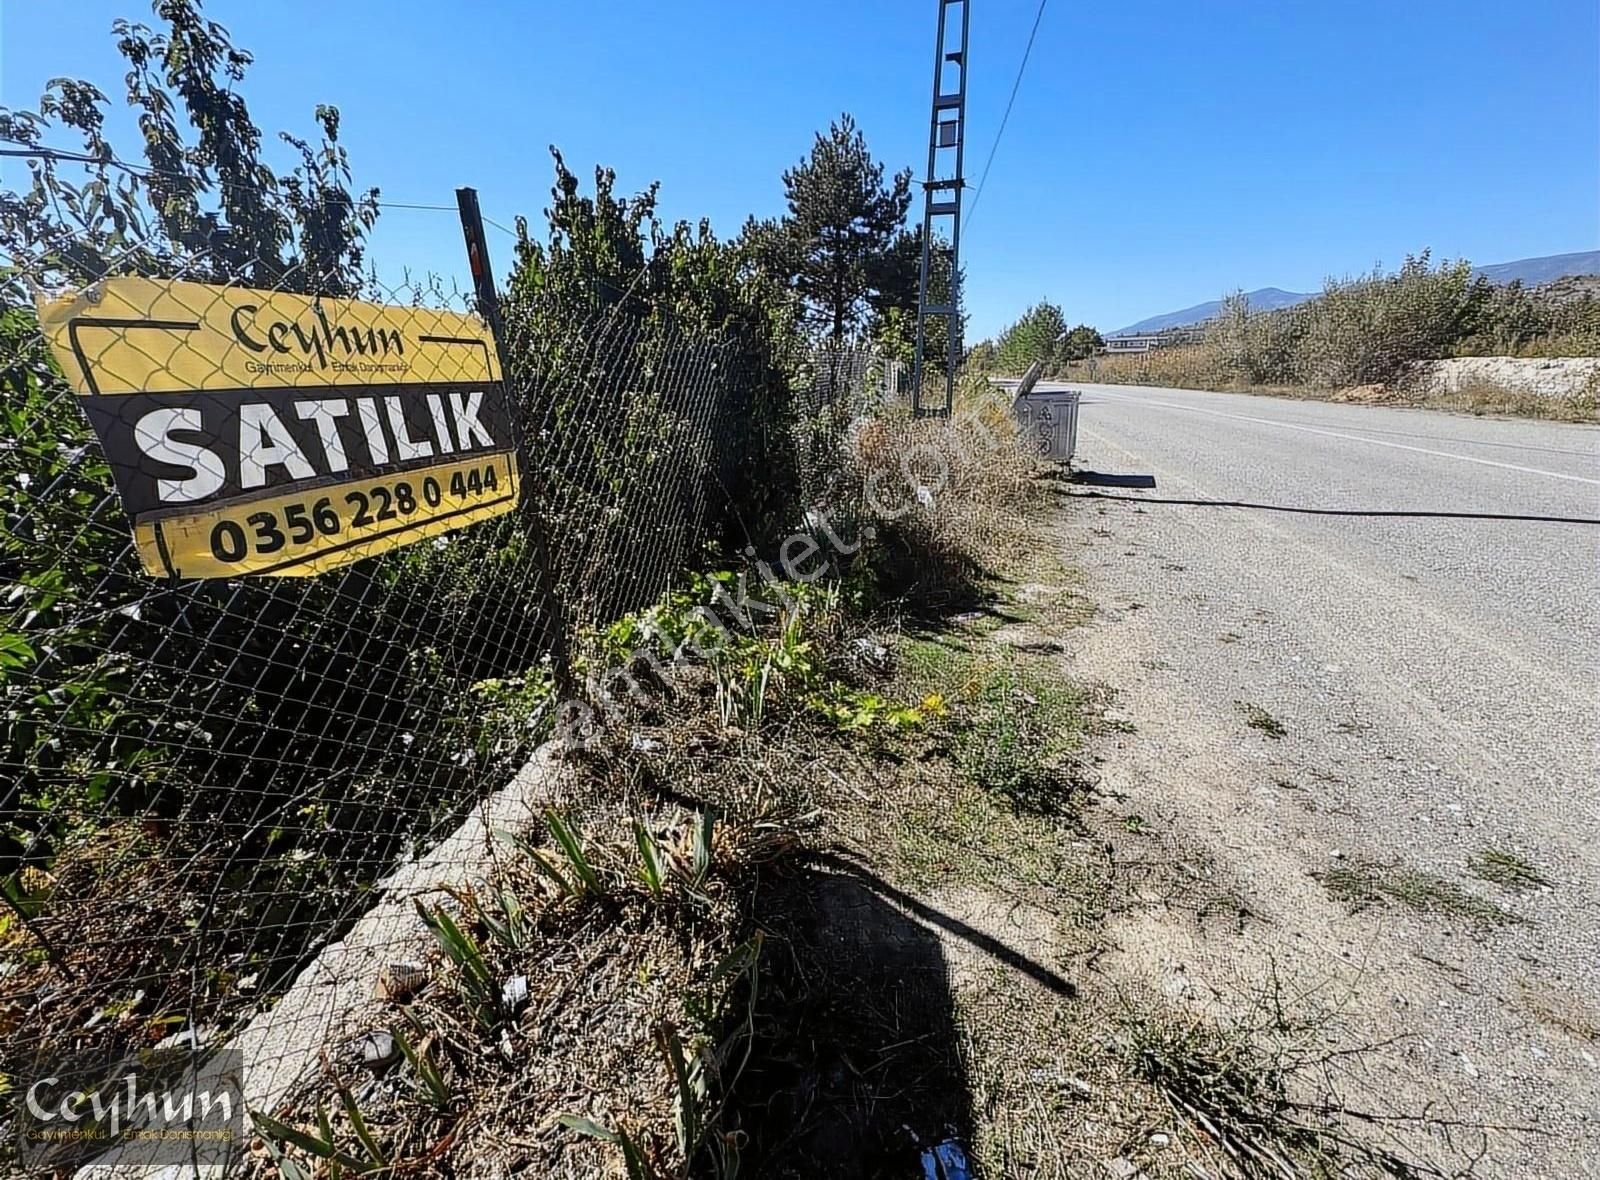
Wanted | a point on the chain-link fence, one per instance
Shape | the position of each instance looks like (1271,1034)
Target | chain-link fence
(209,767)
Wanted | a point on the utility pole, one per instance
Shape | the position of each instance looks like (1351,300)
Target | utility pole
(941,205)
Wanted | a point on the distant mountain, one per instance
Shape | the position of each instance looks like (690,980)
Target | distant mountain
(1532,271)
(1266,299)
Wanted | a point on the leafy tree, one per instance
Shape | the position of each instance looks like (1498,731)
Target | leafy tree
(1036,336)
(1040,334)
(1080,343)
(980,357)
(204,198)
(843,242)
(613,288)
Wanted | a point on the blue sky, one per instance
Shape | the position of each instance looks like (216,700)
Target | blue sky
(1159,152)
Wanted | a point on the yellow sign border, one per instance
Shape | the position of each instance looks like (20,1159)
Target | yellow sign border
(181,545)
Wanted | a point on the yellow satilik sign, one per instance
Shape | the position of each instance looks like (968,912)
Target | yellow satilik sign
(262,433)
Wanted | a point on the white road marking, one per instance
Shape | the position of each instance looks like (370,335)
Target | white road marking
(1390,589)
(1377,442)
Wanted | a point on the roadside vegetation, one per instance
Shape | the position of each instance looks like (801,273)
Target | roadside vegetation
(641,966)
(233,748)
(1359,339)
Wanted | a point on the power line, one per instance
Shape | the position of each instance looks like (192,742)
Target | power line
(983,181)
(143,170)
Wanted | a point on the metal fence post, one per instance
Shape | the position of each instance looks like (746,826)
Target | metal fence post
(488,300)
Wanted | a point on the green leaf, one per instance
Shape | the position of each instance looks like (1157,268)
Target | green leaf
(588,1127)
(700,853)
(359,1124)
(15,651)
(650,858)
(567,837)
(322,1149)
(688,1100)
(287,1168)
(432,1080)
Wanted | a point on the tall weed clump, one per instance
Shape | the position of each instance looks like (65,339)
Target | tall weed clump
(1256,348)
(946,494)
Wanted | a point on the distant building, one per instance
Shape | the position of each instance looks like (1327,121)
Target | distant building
(1145,341)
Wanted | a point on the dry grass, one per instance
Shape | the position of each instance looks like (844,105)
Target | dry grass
(93,971)
(612,975)
(1483,398)
(1190,366)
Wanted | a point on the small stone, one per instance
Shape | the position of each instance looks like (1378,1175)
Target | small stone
(182,1044)
(378,1050)
(872,652)
(514,993)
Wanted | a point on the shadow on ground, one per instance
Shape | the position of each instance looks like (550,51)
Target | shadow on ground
(855,1069)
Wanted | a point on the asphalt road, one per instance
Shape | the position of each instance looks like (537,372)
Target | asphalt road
(1495,622)
(1437,678)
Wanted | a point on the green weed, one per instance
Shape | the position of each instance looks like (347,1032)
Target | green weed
(1505,869)
(478,984)
(1012,731)
(1258,718)
(1360,883)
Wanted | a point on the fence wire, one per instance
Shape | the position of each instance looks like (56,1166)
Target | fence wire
(205,780)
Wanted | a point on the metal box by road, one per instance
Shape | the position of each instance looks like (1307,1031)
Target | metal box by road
(1048,421)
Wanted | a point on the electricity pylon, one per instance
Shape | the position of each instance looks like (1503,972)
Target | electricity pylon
(941,203)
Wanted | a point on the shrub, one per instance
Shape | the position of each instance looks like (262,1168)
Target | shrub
(1367,330)
(1255,348)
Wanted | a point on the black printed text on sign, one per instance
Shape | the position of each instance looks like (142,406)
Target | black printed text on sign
(254,432)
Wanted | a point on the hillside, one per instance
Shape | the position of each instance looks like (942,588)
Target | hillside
(1531,271)
(1266,299)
